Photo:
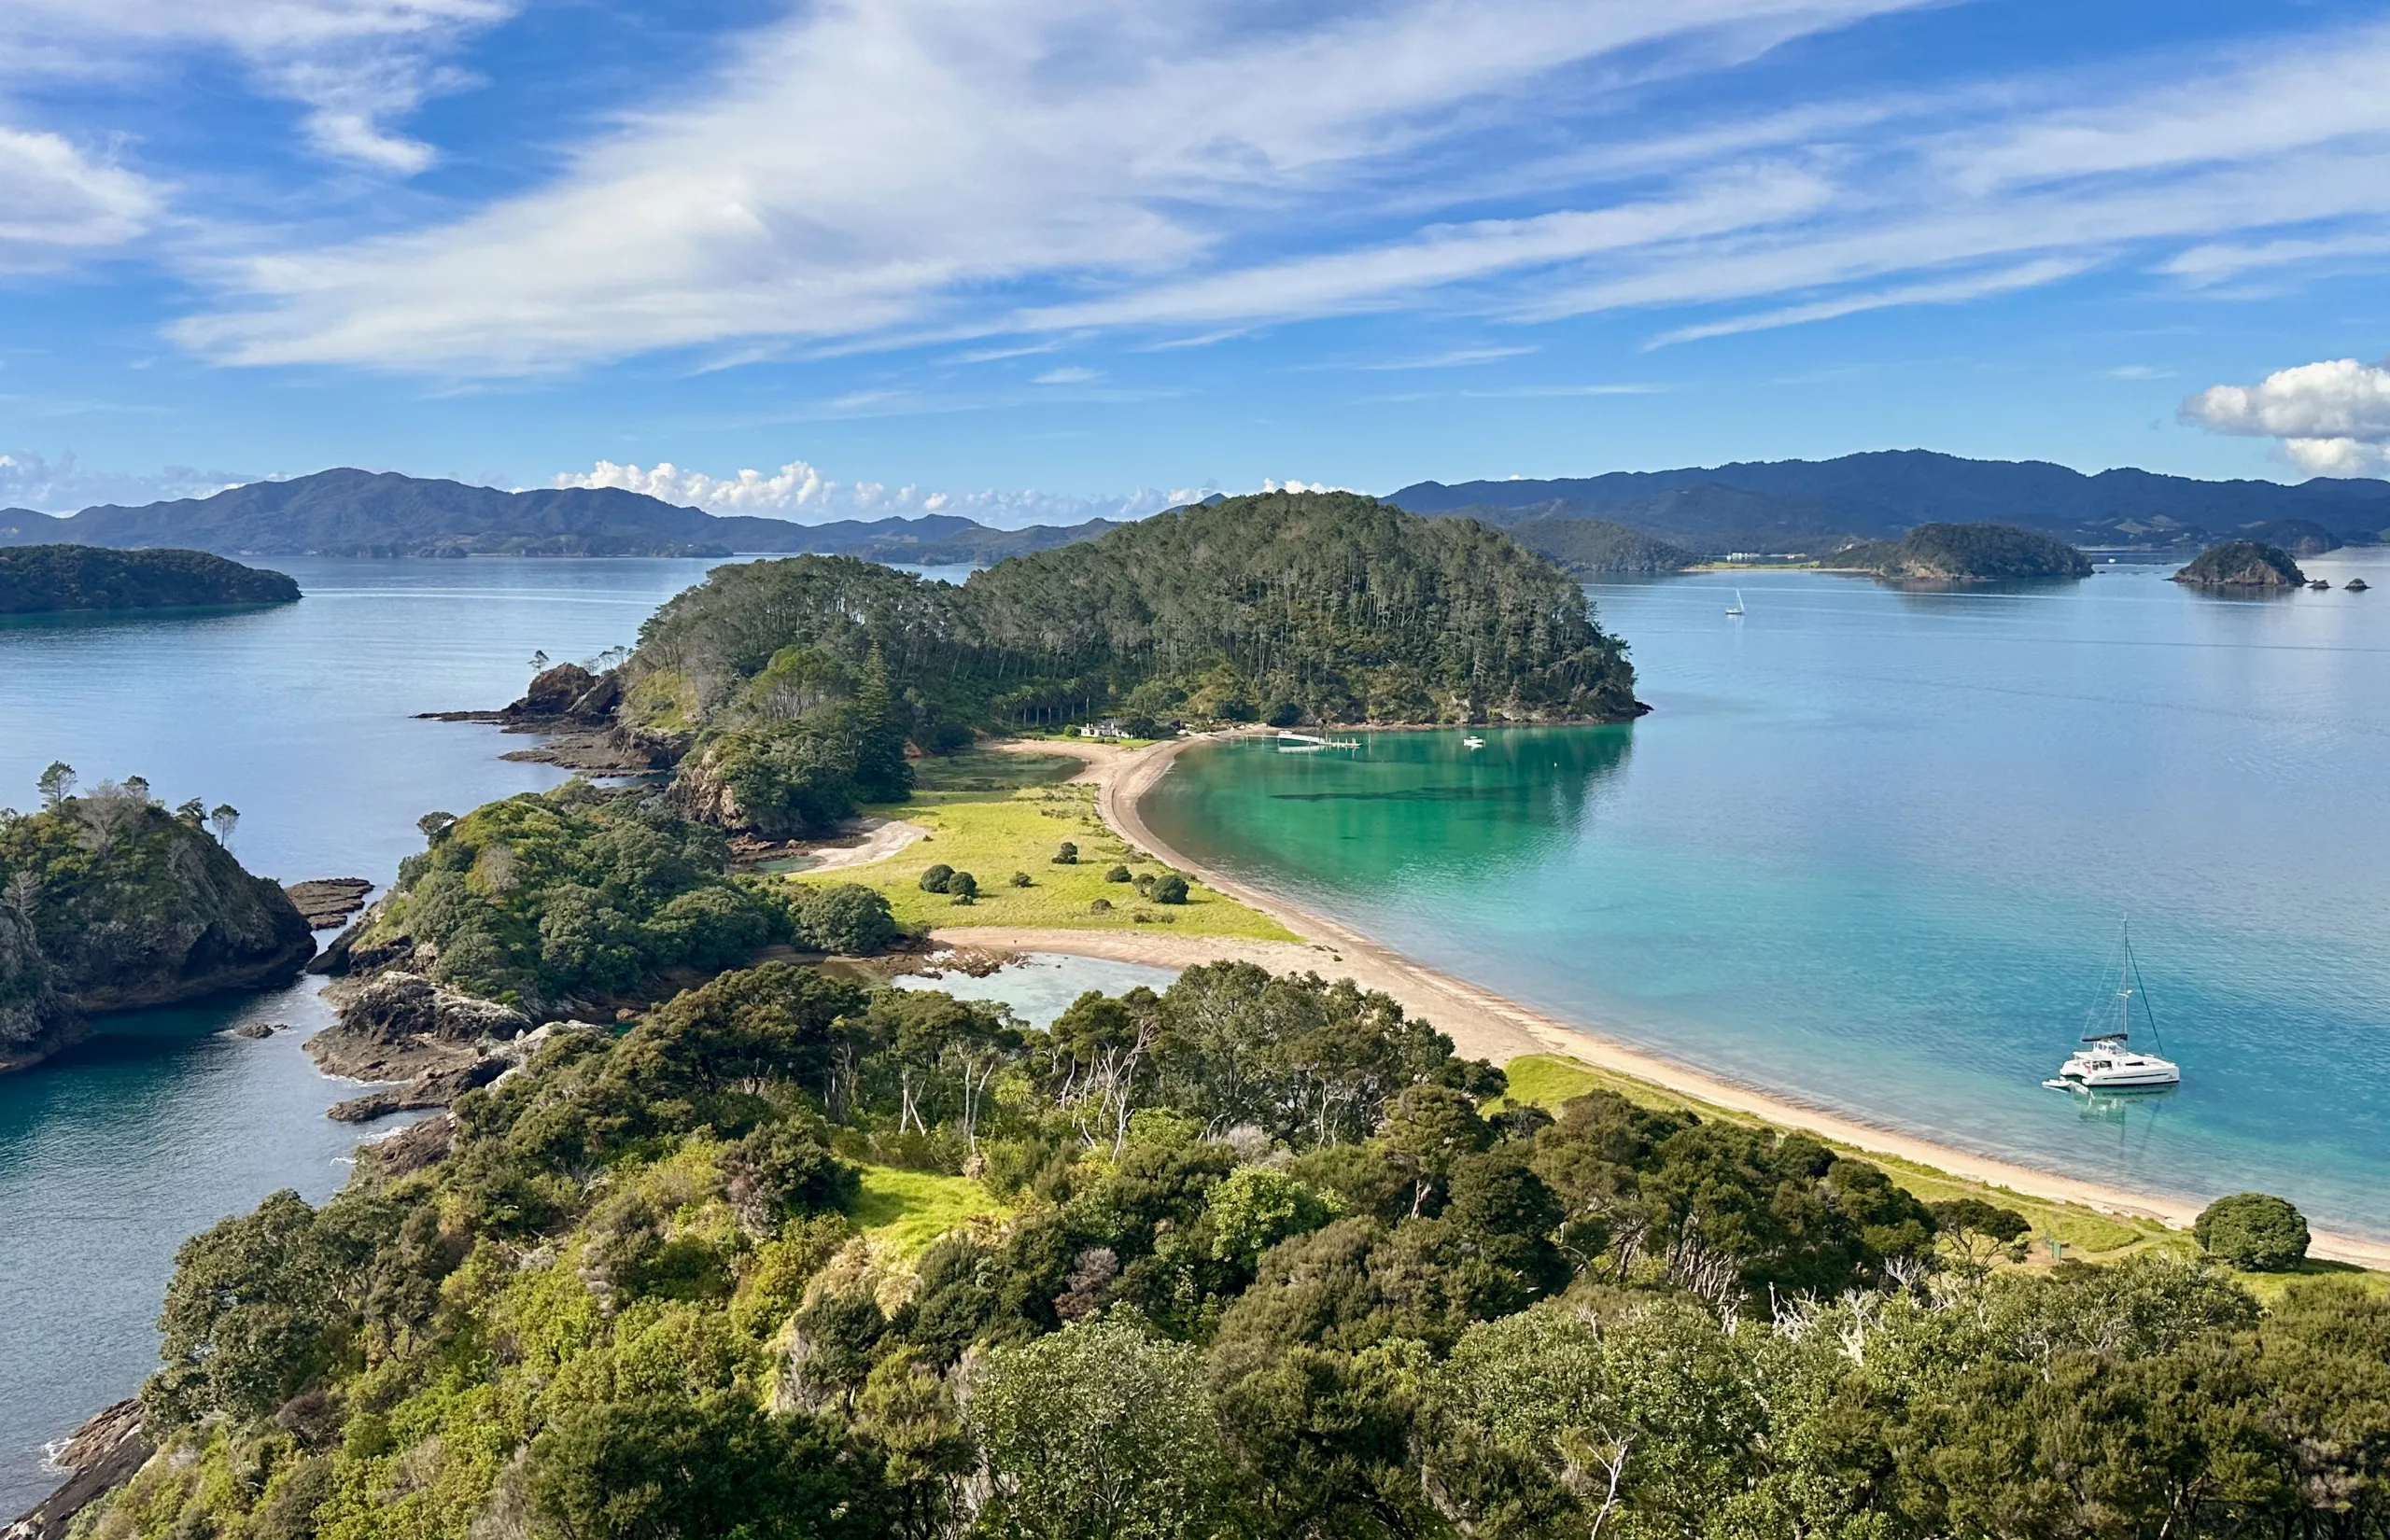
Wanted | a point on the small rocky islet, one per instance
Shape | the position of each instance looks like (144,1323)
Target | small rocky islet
(2247,565)
(110,902)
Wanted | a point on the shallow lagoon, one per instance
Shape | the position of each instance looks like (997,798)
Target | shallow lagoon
(1874,847)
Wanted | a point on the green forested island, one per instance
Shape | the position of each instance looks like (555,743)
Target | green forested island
(109,902)
(1254,1256)
(2243,564)
(39,579)
(1963,552)
(788,689)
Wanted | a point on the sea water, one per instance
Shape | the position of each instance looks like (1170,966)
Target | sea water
(1874,847)
(301,716)
(305,718)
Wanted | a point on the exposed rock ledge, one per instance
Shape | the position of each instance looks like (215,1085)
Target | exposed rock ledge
(102,1456)
(435,1043)
(327,901)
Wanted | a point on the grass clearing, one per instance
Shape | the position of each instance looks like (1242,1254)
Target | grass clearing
(906,1210)
(994,834)
(1547,1080)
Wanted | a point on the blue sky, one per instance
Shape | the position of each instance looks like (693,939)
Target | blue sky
(1041,259)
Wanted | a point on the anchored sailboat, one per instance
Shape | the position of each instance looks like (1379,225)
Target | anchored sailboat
(2106,1059)
(1736,608)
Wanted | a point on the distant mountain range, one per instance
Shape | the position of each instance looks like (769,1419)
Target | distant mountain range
(1812,504)
(1627,520)
(364,513)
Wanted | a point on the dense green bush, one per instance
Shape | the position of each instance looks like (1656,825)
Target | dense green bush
(848,919)
(1267,1267)
(1170,888)
(2254,1230)
(578,894)
(935,877)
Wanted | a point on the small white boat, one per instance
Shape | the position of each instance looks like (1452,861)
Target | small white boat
(1473,741)
(2106,1060)
(1736,608)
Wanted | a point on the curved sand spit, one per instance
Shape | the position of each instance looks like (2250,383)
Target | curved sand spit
(1483,1025)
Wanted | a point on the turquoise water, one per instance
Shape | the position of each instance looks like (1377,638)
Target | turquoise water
(1875,848)
(300,717)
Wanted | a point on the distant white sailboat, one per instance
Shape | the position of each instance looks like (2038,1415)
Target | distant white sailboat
(1473,741)
(1736,608)
(2106,1059)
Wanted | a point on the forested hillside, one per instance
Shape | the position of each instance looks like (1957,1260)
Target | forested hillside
(1964,553)
(350,513)
(786,675)
(1803,505)
(1252,1257)
(43,578)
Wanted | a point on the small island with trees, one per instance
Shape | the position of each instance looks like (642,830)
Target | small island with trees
(37,579)
(2244,565)
(110,902)
(1963,552)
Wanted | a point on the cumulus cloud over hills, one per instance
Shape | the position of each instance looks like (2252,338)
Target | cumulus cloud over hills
(2333,417)
(798,490)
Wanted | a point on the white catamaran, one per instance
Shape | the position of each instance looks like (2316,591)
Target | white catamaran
(2106,1059)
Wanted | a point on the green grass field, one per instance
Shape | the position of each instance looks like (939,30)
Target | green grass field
(993,834)
(905,1210)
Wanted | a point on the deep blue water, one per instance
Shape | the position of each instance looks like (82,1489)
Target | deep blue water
(1875,846)
(300,716)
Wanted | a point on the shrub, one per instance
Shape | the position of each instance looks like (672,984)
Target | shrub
(1119,874)
(848,918)
(1021,879)
(937,877)
(1283,714)
(1101,907)
(1144,883)
(1138,725)
(963,886)
(1067,854)
(2256,1231)
(1169,889)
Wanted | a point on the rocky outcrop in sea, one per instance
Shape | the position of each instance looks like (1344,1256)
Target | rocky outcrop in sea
(110,902)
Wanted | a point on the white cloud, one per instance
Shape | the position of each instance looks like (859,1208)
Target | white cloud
(800,493)
(57,203)
(2332,418)
(865,168)
(1071,375)
(1943,292)
(885,174)
(357,66)
(64,486)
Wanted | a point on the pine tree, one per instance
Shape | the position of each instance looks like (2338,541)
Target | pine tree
(881,773)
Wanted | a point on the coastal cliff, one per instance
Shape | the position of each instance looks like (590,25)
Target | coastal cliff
(110,902)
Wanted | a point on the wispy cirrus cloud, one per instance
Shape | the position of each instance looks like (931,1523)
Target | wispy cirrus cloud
(59,202)
(866,175)
(357,67)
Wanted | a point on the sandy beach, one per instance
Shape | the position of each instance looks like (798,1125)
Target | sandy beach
(1483,1025)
